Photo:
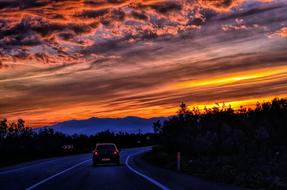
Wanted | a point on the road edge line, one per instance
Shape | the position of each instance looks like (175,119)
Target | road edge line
(153,181)
(55,175)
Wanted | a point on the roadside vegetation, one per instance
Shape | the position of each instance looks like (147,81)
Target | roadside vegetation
(247,147)
(19,143)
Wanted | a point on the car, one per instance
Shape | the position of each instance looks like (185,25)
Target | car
(106,153)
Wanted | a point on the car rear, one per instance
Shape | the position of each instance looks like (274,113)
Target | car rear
(105,153)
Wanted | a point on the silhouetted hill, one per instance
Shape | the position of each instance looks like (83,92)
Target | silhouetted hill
(94,125)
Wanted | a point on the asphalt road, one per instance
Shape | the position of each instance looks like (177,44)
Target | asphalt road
(76,172)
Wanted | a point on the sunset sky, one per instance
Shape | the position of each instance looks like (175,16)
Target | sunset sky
(75,59)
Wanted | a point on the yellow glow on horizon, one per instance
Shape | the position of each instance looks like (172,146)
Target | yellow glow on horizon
(47,116)
(226,79)
(79,112)
(248,103)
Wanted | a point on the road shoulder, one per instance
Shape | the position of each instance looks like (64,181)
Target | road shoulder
(175,180)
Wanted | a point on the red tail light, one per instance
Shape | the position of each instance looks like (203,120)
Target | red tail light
(96,153)
(115,152)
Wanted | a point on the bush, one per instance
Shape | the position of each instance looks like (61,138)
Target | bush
(245,146)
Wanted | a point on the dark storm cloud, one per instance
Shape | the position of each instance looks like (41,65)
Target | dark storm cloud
(43,27)
(139,15)
(93,13)
(22,4)
(167,7)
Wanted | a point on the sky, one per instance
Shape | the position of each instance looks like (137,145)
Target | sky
(75,59)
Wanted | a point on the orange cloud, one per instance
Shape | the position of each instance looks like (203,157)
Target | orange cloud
(35,30)
(220,5)
(282,32)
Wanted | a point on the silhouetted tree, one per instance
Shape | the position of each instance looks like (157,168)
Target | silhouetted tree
(157,127)
(21,125)
(241,144)
(3,128)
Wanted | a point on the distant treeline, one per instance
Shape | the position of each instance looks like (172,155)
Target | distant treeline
(244,146)
(19,143)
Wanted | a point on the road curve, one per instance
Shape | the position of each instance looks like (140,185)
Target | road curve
(76,172)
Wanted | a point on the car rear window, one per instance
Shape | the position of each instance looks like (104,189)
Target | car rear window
(106,147)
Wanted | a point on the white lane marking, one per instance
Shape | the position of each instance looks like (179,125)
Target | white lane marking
(57,174)
(161,186)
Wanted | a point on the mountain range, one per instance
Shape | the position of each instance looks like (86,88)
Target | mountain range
(94,125)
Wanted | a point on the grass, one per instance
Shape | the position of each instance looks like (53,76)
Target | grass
(224,171)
